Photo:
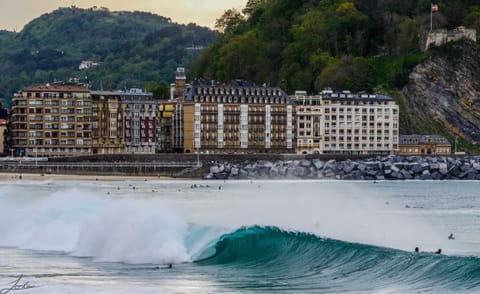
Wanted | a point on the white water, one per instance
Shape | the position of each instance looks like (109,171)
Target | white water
(169,222)
(162,222)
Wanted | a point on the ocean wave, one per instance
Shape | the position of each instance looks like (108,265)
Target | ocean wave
(133,231)
(300,258)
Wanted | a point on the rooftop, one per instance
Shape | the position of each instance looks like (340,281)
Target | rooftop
(346,95)
(422,139)
(106,93)
(58,87)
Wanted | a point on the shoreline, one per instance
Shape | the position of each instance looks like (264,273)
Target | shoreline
(4,177)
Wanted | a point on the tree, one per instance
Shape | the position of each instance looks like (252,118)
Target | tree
(159,90)
(229,21)
(472,19)
(251,6)
(346,73)
(407,36)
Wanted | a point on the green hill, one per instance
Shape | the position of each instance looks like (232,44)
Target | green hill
(360,45)
(133,49)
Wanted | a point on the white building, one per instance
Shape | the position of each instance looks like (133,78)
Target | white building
(346,123)
(87,64)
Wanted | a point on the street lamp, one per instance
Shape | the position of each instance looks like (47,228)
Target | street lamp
(456,140)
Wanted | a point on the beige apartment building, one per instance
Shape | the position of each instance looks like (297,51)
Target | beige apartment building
(52,120)
(346,123)
(237,118)
(108,126)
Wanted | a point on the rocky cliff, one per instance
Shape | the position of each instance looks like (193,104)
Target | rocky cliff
(443,93)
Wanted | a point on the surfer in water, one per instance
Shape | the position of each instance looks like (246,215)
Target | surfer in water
(417,249)
(157,267)
(451,237)
(439,251)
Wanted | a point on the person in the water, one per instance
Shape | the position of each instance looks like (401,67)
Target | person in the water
(417,249)
(451,237)
(439,251)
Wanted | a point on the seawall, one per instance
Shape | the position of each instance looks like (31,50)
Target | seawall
(166,165)
(263,166)
(379,168)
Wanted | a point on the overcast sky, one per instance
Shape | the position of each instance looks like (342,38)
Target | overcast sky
(14,14)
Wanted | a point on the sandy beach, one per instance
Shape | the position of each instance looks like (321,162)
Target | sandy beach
(5,177)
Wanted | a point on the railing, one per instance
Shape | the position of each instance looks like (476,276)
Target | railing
(172,169)
(33,163)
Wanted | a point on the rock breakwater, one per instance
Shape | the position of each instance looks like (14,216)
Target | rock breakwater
(379,168)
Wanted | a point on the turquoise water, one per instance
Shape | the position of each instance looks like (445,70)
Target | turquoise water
(247,237)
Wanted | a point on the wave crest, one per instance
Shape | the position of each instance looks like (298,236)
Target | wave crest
(302,258)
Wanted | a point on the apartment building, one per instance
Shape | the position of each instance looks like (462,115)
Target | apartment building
(309,120)
(165,138)
(179,92)
(108,128)
(140,122)
(52,120)
(346,123)
(237,118)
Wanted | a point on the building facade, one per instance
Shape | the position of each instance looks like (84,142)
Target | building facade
(3,136)
(237,118)
(140,122)
(179,93)
(108,127)
(52,120)
(309,118)
(424,145)
(165,138)
(346,123)
(63,119)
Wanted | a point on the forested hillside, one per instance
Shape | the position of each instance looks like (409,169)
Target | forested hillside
(133,49)
(361,45)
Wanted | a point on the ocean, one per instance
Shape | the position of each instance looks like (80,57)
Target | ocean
(289,236)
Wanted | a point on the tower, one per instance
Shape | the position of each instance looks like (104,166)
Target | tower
(180,90)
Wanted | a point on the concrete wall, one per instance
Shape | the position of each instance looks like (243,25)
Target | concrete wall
(110,169)
(188,127)
(440,37)
(170,165)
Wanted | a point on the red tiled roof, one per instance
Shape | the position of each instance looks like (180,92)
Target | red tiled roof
(57,88)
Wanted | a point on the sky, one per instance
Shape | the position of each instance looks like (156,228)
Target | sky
(14,14)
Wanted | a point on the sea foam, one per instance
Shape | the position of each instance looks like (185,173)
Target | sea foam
(113,230)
